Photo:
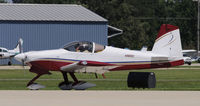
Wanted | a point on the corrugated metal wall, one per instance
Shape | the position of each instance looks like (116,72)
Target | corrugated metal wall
(50,35)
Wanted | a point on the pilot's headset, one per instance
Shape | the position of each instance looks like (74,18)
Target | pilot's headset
(83,47)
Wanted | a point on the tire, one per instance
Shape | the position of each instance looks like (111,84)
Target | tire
(64,86)
(141,80)
(9,63)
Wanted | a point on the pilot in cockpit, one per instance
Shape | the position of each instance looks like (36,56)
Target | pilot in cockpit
(82,48)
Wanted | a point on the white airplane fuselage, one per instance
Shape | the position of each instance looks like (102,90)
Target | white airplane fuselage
(110,56)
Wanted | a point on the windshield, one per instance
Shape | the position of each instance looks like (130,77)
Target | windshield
(98,48)
(82,46)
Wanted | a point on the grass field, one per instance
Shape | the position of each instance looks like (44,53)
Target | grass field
(181,78)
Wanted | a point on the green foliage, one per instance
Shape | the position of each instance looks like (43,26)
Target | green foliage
(141,19)
(45,1)
(2,1)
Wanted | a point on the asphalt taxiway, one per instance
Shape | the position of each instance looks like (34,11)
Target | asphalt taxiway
(99,98)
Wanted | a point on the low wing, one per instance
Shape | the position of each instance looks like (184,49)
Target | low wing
(88,67)
(72,67)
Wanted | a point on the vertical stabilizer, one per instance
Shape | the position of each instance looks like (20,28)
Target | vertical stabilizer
(19,48)
(168,42)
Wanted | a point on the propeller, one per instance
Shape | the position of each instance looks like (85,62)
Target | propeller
(23,60)
(23,63)
(22,57)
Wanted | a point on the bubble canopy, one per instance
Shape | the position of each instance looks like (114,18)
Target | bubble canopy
(84,46)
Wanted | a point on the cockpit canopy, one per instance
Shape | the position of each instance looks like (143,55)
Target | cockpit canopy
(84,46)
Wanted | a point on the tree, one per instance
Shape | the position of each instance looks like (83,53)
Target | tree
(141,19)
(45,1)
(2,1)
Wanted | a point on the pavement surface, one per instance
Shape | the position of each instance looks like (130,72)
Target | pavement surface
(99,98)
(14,67)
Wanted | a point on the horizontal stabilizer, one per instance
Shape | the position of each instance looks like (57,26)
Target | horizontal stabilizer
(160,59)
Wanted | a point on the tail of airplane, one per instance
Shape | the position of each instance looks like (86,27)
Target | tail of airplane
(19,48)
(168,42)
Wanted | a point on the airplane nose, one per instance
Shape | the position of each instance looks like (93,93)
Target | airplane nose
(20,57)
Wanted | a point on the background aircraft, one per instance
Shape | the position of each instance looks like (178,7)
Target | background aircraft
(144,49)
(190,56)
(88,57)
(9,54)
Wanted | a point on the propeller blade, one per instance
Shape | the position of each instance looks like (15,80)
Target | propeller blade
(23,60)
(23,63)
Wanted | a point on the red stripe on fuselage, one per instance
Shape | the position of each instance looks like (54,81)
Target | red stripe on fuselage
(55,65)
(147,66)
(50,65)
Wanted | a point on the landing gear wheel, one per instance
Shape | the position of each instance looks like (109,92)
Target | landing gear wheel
(65,86)
(82,85)
(9,63)
(35,86)
(77,85)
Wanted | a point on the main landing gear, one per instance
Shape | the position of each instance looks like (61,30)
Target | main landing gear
(65,85)
(77,85)
(10,62)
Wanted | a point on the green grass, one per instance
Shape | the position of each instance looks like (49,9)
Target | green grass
(176,79)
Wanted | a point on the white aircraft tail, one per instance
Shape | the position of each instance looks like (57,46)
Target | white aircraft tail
(19,48)
(168,42)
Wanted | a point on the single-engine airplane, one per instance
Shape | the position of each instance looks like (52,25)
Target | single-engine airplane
(87,56)
(9,54)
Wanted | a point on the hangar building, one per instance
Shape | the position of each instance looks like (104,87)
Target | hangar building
(49,26)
